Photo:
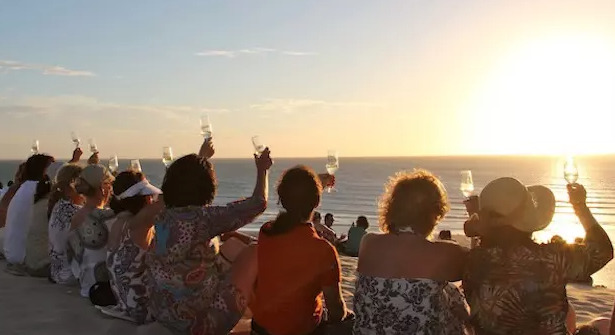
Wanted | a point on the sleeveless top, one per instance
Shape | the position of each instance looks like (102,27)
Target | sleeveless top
(126,265)
(59,228)
(407,306)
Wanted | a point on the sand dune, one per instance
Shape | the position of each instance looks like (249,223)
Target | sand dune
(34,306)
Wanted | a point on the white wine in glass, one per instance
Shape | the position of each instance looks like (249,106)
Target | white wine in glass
(333,164)
(135,165)
(467,184)
(114,164)
(75,139)
(35,147)
(571,171)
(93,147)
(259,147)
(167,156)
(206,127)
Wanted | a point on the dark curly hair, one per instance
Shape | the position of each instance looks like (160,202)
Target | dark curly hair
(36,166)
(123,182)
(299,192)
(189,181)
(414,199)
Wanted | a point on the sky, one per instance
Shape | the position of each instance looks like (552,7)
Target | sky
(367,78)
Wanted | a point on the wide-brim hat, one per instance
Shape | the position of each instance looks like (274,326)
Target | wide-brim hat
(141,188)
(507,201)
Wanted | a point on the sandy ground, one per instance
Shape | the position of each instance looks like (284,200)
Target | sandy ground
(34,306)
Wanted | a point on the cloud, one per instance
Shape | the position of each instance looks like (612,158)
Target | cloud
(68,105)
(305,105)
(252,51)
(52,70)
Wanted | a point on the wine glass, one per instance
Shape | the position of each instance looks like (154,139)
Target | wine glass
(76,139)
(135,165)
(35,148)
(167,156)
(93,147)
(467,184)
(571,171)
(259,147)
(206,127)
(333,163)
(114,164)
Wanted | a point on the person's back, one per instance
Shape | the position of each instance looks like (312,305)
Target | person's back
(514,285)
(292,270)
(37,243)
(403,283)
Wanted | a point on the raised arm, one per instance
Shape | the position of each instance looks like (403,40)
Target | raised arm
(584,260)
(76,156)
(237,214)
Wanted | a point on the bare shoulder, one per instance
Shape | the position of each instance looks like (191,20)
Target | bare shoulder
(448,248)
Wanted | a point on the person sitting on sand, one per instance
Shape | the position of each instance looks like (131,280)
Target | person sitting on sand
(356,232)
(19,214)
(6,201)
(445,235)
(37,240)
(189,290)
(325,230)
(296,267)
(404,280)
(89,235)
(64,202)
(514,285)
(129,240)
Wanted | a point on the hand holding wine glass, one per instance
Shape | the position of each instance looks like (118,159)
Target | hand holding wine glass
(167,156)
(571,171)
(75,138)
(207,148)
(93,147)
(467,184)
(332,165)
(94,159)
(263,161)
(135,165)
(35,147)
(77,153)
(259,147)
(206,127)
(114,164)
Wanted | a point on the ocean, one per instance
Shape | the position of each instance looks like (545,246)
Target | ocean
(360,183)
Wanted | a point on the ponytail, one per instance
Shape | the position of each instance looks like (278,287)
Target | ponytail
(285,222)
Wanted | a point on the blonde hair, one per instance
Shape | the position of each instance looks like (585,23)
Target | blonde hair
(415,199)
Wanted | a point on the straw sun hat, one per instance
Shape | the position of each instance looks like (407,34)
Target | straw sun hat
(506,201)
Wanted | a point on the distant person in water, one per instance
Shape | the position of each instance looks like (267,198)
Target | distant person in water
(513,284)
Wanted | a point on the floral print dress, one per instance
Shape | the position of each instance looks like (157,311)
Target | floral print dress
(126,265)
(190,293)
(408,306)
(59,229)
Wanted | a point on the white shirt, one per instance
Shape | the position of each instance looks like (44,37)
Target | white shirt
(18,219)
(37,242)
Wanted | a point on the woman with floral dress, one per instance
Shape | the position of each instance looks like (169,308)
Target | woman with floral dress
(65,201)
(404,283)
(129,238)
(189,292)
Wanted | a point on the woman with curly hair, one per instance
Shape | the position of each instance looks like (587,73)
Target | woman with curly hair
(403,284)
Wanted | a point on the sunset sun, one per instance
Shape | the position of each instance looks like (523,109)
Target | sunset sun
(549,96)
